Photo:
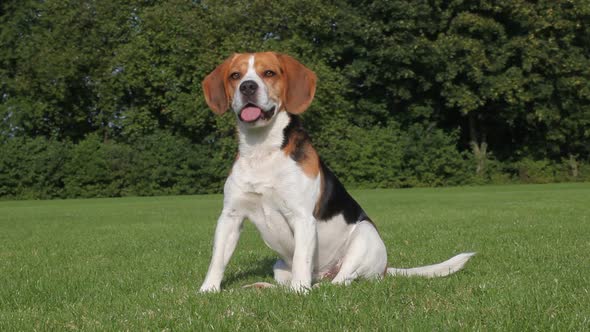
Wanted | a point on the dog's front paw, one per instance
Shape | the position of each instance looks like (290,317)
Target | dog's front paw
(300,287)
(209,289)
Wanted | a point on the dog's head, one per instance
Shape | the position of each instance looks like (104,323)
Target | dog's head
(258,85)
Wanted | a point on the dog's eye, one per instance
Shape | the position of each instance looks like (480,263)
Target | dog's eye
(235,76)
(269,73)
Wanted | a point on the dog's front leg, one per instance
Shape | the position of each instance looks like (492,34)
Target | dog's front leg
(305,251)
(227,234)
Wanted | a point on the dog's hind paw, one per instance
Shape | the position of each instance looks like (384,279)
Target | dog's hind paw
(260,285)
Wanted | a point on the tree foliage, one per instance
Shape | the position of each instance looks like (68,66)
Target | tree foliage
(103,98)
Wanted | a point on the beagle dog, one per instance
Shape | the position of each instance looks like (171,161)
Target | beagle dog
(279,182)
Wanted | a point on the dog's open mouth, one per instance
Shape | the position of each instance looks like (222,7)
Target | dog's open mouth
(251,113)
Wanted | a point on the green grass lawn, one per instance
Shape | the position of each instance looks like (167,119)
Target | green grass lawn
(137,263)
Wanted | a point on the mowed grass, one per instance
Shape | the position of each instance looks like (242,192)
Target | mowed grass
(137,263)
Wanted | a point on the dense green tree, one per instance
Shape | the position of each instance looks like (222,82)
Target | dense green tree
(56,63)
(103,98)
(511,74)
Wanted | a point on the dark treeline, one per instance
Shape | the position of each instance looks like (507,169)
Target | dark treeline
(103,97)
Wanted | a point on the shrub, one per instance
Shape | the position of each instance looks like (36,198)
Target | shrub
(32,168)
(536,171)
(431,158)
(96,169)
(363,158)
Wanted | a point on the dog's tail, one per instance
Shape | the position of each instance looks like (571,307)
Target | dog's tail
(445,268)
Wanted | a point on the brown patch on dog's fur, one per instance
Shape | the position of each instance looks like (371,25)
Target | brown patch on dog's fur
(299,84)
(297,145)
(311,162)
(264,62)
(304,155)
(316,209)
(215,87)
(291,147)
(239,64)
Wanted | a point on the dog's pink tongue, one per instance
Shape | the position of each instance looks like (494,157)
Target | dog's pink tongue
(250,113)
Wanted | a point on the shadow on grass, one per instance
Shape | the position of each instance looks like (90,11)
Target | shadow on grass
(262,269)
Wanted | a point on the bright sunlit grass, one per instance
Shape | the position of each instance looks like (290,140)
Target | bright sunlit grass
(137,263)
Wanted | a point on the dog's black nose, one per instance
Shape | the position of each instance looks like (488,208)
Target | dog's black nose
(248,87)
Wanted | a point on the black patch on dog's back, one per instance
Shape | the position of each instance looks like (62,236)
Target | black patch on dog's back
(335,199)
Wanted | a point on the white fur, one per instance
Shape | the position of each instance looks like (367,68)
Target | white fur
(269,188)
(445,268)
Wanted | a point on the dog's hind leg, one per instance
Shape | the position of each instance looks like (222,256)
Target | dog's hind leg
(282,275)
(260,284)
(366,256)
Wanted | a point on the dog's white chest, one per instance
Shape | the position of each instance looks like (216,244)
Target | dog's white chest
(259,189)
(262,185)
(258,174)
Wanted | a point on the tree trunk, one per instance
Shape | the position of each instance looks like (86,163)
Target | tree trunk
(479,149)
(574,166)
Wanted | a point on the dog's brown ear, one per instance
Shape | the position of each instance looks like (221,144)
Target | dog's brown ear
(214,88)
(299,86)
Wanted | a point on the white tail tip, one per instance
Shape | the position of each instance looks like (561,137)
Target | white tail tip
(445,268)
